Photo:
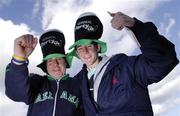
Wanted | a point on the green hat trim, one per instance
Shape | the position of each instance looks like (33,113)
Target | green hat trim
(103,45)
(53,56)
(64,77)
(67,58)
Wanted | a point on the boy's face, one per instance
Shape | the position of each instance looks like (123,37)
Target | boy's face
(88,54)
(56,67)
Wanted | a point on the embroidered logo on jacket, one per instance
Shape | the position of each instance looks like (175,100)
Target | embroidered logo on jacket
(67,96)
(42,97)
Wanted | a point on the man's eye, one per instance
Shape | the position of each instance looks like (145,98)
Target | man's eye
(60,61)
(49,61)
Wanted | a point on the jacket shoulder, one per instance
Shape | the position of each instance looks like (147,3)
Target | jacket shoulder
(80,74)
(118,58)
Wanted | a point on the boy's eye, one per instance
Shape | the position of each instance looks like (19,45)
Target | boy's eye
(89,46)
(79,48)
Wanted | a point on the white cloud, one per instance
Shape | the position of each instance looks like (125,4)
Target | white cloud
(125,42)
(162,109)
(170,25)
(10,108)
(10,31)
(164,94)
(166,91)
(166,27)
(36,8)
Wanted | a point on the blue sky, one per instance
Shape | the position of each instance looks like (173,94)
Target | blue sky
(163,13)
(19,17)
(21,11)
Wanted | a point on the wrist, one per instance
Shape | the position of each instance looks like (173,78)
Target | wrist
(19,62)
(19,58)
(131,23)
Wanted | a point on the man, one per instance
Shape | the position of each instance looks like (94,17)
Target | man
(117,85)
(55,94)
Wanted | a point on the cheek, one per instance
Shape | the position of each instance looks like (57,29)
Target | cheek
(94,54)
(78,54)
(49,68)
(62,65)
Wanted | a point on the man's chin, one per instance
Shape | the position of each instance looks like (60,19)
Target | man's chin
(57,76)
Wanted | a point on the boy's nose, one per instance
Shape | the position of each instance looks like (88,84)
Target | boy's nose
(86,50)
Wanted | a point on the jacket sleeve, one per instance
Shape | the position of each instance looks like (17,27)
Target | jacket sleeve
(158,56)
(16,82)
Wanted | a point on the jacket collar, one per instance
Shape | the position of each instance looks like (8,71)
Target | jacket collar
(64,77)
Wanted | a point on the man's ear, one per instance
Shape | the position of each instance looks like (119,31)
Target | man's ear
(99,48)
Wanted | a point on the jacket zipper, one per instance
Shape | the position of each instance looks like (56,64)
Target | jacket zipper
(55,99)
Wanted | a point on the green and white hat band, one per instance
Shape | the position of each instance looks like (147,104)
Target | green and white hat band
(103,46)
(53,56)
(89,41)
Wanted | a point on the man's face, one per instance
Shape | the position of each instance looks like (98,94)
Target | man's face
(56,67)
(88,54)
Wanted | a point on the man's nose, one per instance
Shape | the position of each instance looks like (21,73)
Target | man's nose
(55,63)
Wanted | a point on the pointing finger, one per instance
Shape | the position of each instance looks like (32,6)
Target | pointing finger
(111,14)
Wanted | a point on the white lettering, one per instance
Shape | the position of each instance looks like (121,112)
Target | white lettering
(51,41)
(87,27)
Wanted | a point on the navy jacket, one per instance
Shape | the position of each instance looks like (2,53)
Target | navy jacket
(123,89)
(39,92)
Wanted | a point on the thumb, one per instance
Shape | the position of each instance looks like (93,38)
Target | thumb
(111,14)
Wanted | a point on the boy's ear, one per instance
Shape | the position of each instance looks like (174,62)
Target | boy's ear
(77,53)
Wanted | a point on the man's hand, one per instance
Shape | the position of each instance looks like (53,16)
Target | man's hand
(120,20)
(24,45)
